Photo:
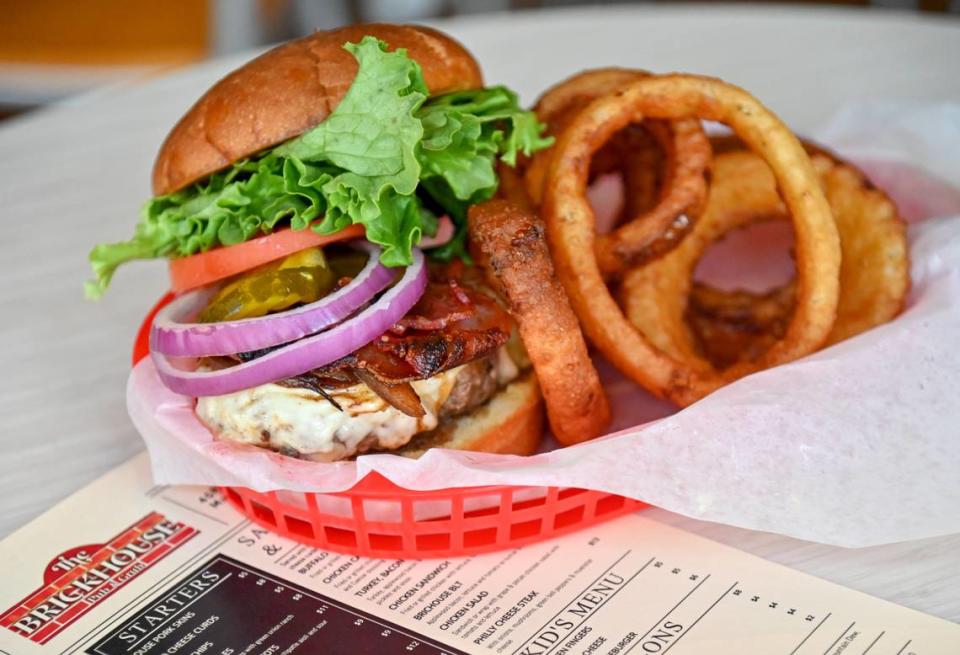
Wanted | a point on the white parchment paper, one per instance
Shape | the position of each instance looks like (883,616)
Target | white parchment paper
(856,445)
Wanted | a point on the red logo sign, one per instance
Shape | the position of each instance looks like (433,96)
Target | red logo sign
(79,578)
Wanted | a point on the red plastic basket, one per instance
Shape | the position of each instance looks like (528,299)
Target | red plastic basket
(376,518)
(503,519)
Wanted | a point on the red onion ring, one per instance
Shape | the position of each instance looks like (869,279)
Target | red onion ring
(306,354)
(444,233)
(170,336)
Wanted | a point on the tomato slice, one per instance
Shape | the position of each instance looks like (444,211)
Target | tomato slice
(203,268)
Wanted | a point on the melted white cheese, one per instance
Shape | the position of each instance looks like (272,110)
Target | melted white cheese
(300,420)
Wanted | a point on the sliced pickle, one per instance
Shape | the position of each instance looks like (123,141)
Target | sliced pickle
(303,277)
(346,262)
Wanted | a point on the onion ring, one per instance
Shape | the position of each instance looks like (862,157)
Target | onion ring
(652,228)
(683,193)
(874,272)
(875,276)
(738,325)
(640,160)
(508,243)
(559,105)
(655,296)
(571,232)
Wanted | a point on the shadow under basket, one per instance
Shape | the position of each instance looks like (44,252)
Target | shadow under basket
(376,518)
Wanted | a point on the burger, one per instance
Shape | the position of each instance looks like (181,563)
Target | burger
(313,207)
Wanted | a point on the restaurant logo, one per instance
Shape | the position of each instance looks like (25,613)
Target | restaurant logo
(77,579)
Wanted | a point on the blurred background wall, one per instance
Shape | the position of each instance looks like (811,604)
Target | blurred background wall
(53,49)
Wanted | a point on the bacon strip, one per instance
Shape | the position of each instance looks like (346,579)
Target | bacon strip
(454,323)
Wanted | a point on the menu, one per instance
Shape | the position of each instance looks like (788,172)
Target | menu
(128,568)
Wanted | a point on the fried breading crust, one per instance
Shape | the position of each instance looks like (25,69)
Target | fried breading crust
(508,243)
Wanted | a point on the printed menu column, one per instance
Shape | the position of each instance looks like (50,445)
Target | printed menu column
(226,607)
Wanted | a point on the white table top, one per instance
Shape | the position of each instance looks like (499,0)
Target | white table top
(75,175)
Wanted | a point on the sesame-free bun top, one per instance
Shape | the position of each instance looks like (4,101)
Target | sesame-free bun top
(290,89)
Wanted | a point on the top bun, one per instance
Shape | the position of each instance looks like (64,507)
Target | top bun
(290,89)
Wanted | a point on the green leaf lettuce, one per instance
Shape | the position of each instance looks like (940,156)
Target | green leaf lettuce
(388,157)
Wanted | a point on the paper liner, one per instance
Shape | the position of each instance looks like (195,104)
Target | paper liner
(856,445)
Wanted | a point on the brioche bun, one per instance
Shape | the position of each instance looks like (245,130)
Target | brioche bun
(290,89)
(510,423)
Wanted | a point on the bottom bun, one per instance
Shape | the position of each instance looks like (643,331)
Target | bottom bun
(510,423)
